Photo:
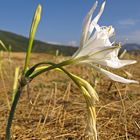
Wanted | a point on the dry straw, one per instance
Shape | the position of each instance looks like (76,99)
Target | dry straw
(95,49)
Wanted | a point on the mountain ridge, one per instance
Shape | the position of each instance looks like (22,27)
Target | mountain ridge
(19,43)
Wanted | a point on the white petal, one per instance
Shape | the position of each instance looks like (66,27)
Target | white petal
(108,56)
(86,24)
(116,63)
(114,76)
(95,20)
(98,39)
(102,35)
(85,29)
(111,59)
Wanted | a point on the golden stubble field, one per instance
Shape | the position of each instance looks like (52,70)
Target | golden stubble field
(52,107)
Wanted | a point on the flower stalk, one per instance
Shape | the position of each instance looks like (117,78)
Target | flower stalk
(35,22)
(19,89)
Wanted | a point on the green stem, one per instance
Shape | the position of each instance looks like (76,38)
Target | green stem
(13,108)
(28,55)
(53,66)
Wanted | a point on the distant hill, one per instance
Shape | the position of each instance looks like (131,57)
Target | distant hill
(132,47)
(19,43)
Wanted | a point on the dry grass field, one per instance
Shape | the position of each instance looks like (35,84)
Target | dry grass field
(52,107)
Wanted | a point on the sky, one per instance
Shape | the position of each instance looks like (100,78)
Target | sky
(61,20)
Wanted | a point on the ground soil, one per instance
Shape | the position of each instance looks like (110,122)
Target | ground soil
(52,107)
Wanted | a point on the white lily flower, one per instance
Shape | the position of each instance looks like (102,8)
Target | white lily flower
(96,47)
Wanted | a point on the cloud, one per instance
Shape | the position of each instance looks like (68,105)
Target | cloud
(55,43)
(131,37)
(73,43)
(70,43)
(128,22)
